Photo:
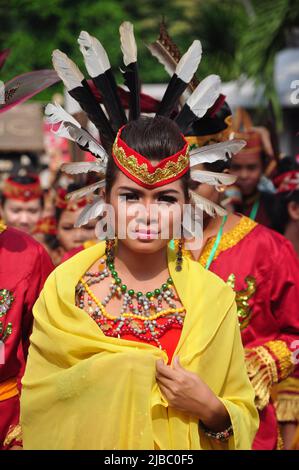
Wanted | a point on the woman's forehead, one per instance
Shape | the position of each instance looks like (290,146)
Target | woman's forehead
(122,181)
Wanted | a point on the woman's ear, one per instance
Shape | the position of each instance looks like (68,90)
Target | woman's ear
(103,194)
(293,211)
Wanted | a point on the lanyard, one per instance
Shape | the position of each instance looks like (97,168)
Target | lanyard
(254,209)
(216,243)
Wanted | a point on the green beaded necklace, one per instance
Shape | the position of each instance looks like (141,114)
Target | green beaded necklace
(131,292)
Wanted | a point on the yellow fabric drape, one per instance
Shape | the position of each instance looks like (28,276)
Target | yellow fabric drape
(83,390)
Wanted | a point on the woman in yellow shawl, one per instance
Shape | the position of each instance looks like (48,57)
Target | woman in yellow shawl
(133,346)
(91,383)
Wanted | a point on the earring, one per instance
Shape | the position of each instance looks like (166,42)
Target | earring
(220,189)
(110,250)
(179,256)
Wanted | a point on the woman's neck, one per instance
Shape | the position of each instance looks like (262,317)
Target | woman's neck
(141,266)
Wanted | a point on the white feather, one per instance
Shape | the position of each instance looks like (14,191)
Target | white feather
(67,70)
(85,139)
(205,95)
(90,212)
(128,43)
(208,206)
(57,114)
(95,57)
(189,62)
(79,193)
(209,177)
(63,131)
(82,167)
(214,152)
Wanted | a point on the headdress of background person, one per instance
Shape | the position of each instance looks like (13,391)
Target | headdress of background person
(46,226)
(110,124)
(64,203)
(22,187)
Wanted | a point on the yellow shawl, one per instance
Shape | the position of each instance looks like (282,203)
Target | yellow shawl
(83,390)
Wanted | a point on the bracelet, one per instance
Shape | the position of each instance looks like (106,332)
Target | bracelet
(219,436)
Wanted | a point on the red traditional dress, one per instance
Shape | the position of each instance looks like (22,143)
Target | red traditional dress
(262,267)
(24,267)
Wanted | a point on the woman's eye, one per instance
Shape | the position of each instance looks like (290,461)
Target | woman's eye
(67,227)
(168,199)
(129,197)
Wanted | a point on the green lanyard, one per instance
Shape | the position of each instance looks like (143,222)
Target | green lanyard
(254,209)
(216,243)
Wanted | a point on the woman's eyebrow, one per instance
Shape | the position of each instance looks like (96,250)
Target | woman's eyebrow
(128,188)
(139,191)
(168,191)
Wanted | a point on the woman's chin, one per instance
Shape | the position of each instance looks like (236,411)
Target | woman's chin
(146,246)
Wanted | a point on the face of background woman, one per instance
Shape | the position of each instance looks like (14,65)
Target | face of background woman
(71,237)
(21,215)
(162,210)
(248,169)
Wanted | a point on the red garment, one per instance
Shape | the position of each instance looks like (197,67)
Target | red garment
(24,267)
(253,250)
(168,341)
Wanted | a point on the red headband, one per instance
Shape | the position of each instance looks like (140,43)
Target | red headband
(46,225)
(286,182)
(22,192)
(139,169)
(62,203)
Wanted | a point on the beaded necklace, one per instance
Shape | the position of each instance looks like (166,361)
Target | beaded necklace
(142,315)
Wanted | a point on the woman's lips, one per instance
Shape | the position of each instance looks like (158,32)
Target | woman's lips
(146,234)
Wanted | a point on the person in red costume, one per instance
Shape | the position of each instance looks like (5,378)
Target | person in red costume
(262,268)
(21,203)
(250,165)
(24,267)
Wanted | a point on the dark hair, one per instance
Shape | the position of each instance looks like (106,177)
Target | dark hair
(281,216)
(154,138)
(23,180)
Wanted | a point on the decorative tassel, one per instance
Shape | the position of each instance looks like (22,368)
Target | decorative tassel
(110,251)
(179,256)
(262,372)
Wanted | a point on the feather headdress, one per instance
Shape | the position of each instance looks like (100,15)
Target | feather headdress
(203,98)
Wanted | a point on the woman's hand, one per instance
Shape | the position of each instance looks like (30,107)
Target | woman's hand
(186,392)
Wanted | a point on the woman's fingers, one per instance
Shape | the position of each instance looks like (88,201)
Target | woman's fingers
(177,364)
(166,392)
(165,371)
(165,382)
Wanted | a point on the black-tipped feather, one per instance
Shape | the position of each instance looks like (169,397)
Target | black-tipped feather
(132,82)
(99,69)
(88,103)
(131,77)
(184,72)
